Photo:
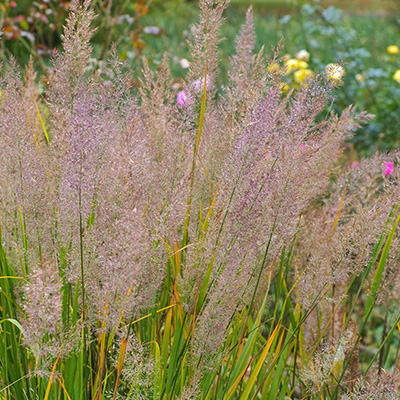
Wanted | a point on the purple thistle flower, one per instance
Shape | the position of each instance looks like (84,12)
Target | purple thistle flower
(181,98)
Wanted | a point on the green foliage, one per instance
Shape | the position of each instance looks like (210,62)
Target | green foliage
(34,29)
(327,33)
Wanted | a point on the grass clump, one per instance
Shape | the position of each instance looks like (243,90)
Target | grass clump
(205,248)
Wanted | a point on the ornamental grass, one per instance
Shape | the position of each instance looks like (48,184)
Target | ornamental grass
(208,244)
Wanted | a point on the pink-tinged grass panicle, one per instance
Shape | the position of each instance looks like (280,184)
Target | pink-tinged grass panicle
(159,225)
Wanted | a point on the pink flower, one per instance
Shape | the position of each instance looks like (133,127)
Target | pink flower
(181,98)
(303,145)
(389,168)
(13,4)
(198,84)
(355,164)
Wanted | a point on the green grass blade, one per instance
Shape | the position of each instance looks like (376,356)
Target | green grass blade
(379,271)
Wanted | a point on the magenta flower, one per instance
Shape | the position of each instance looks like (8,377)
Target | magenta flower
(181,98)
(355,164)
(389,168)
(13,4)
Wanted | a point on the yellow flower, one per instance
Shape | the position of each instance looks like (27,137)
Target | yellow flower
(292,64)
(302,64)
(334,72)
(301,75)
(393,49)
(396,76)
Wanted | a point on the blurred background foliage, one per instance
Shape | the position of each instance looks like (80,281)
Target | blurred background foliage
(362,34)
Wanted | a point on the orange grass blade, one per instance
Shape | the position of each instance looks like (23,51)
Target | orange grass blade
(46,396)
(120,364)
(63,387)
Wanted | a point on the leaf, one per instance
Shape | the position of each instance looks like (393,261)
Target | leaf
(46,396)
(42,123)
(379,271)
(14,322)
(256,370)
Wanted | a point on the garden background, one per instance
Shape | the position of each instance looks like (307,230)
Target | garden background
(357,32)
